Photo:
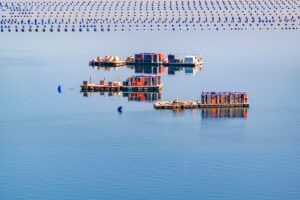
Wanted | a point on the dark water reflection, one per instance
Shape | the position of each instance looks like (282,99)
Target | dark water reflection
(131,96)
(224,113)
(155,70)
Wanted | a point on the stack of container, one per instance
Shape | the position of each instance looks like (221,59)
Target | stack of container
(224,98)
(139,57)
(149,58)
(173,59)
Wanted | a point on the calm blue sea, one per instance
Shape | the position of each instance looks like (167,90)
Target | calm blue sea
(67,146)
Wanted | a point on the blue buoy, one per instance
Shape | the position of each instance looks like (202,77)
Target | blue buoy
(120,109)
(59,89)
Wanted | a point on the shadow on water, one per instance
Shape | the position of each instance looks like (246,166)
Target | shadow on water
(212,113)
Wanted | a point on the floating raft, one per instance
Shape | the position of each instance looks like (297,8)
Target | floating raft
(107,64)
(160,59)
(140,83)
(209,100)
(177,105)
(92,87)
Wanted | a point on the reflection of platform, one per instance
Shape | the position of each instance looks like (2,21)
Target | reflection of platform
(143,96)
(148,69)
(101,93)
(225,113)
(187,70)
(131,96)
(106,68)
(159,69)
(200,64)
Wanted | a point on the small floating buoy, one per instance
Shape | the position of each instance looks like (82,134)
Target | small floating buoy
(120,109)
(59,89)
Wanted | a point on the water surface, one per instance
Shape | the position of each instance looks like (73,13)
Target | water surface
(67,146)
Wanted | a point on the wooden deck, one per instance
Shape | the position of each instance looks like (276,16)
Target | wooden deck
(195,105)
(97,87)
(107,64)
(92,87)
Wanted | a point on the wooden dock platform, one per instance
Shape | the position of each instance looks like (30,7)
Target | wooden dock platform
(107,64)
(92,87)
(96,87)
(177,105)
(142,88)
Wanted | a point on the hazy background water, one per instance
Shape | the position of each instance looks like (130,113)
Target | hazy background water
(66,146)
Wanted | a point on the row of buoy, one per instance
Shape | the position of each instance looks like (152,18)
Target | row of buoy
(140,19)
(149,5)
(279,14)
(145,25)
(149,26)
(147,20)
(152,29)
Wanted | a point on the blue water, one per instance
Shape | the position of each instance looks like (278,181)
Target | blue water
(66,146)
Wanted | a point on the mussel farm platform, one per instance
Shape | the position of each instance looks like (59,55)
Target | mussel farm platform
(174,105)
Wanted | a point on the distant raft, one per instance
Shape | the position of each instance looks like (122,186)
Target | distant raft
(208,100)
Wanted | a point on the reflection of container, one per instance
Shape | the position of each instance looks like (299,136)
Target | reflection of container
(149,58)
(224,113)
(142,96)
(171,58)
